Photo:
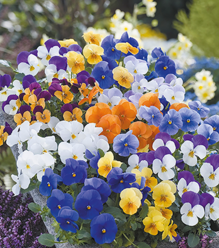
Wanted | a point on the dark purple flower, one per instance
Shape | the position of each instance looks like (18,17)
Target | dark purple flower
(164,66)
(59,62)
(5,80)
(44,94)
(7,128)
(27,80)
(191,197)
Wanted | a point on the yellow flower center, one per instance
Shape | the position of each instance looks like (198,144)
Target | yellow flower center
(32,68)
(165,67)
(88,207)
(211,210)
(173,97)
(113,49)
(163,169)
(14,108)
(126,144)
(121,181)
(170,122)
(188,121)
(56,75)
(75,157)
(185,190)
(59,207)
(27,166)
(67,222)
(137,167)
(191,154)
(163,198)
(48,184)
(212,176)
(135,71)
(190,214)
(109,104)
(73,174)
(204,78)
(48,57)
(103,77)
(103,230)
(73,136)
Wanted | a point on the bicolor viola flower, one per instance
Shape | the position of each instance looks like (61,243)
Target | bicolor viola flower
(187,183)
(191,210)
(58,200)
(42,115)
(135,66)
(23,115)
(214,122)
(212,209)
(208,132)
(193,147)
(135,163)
(111,97)
(50,49)
(164,139)
(199,108)
(18,87)
(103,228)
(151,114)
(163,163)
(22,182)
(5,93)
(174,94)
(11,105)
(190,119)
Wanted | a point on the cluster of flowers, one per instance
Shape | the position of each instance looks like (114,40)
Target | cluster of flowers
(114,143)
(19,227)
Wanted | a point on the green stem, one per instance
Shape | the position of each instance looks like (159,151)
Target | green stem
(129,240)
(117,199)
(56,242)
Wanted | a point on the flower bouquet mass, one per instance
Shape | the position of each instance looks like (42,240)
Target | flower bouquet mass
(106,137)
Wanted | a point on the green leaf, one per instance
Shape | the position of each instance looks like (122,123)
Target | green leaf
(106,246)
(101,152)
(211,234)
(123,167)
(134,225)
(83,234)
(186,229)
(143,245)
(110,202)
(116,213)
(46,239)
(143,213)
(34,207)
(5,63)
(19,76)
(193,240)
(31,187)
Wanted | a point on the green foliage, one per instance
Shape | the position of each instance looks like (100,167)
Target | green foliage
(46,239)
(201,26)
(34,207)
(193,240)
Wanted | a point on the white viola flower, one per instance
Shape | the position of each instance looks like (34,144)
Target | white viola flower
(169,144)
(72,150)
(174,94)
(191,214)
(139,87)
(190,153)
(18,87)
(22,182)
(52,123)
(46,54)
(111,97)
(183,187)
(26,162)
(153,85)
(70,131)
(163,168)
(5,93)
(39,145)
(91,128)
(135,66)
(14,139)
(94,142)
(51,72)
(176,81)
(212,211)
(211,176)
(32,66)
(133,162)
(11,108)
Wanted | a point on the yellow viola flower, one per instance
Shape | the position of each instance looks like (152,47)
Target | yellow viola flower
(169,230)
(106,163)
(166,213)
(43,117)
(35,102)
(151,182)
(67,43)
(92,38)
(172,185)
(74,115)
(130,201)
(154,222)
(75,61)
(65,95)
(162,195)
(123,76)
(126,47)
(93,53)
(19,118)
(3,136)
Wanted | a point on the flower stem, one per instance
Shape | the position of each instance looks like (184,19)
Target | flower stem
(117,199)
(129,240)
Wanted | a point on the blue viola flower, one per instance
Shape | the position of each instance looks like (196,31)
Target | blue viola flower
(103,229)
(58,200)
(111,62)
(75,171)
(142,54)
(166,105)
(157,53)
(164,65)
(190,119)
(208,132)
(153,75)
(199,108)
(103,75)
(94,158)
(108,44)
(171,122)
(119,180)
(49,182)
(125,38)
(66,219)
(99,185)
(214,122)
(152,115)
(88,204)
(124,144)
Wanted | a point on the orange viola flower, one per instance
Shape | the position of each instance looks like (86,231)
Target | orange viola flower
(28,93)
(65,95)
(142,131)
(177,106)
(34,102)
(19,118)
(83,90)
(3,135)
(150,99)
(94,114)
(111,126)
(150,140)
(43,117)
(74,115)
(126,111)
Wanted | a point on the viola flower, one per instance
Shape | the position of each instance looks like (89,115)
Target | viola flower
(191,210)
(94,158)
(169,230)
(124,144)
(171,122)
(22,182)
(214,122)
(3,135)
(12,105)
(108,44)
(5,92)
(126,47)
(139,85)
(5,80)
(92,38)
(135,163)
(23,116)
(103,228)
(123,76)
(190,119)
(26,163)
(212,209)
(93,53)
(166,213)
(75,62)
(42,115)
(75,114)
(152,115)
(119,180)
(28,63)
(74,171)
(157,52)
(210,174)
(174,94)
(65,95)
(35,101)
(164,66)
(99,185)
(150,182)
(66,219)
(111,97)
(130,200)
(58,200)
(199,108)
(150,99)
(208,132)
(49,182)
(135,66)
(88,204)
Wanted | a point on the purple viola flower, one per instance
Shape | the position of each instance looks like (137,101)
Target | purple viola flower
(152,115)
(180,164)
(34,86)
(99,185)
(199,108)
(157,53)
(213,160)
(44,94)
(119,180)
(171,122)
(27,80)
(149,157)
(208,132)
(103,228)
(94,158)
(206,198)
(5,80)
(124,144)
(75,171)
(190,119)
(169,78)
(58,200)
(214,122)
(59,62)
(7,128)
(108,44)
(103,75)
(164,139)
(88,204)
(66,219)
(164,65)
(49,182)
